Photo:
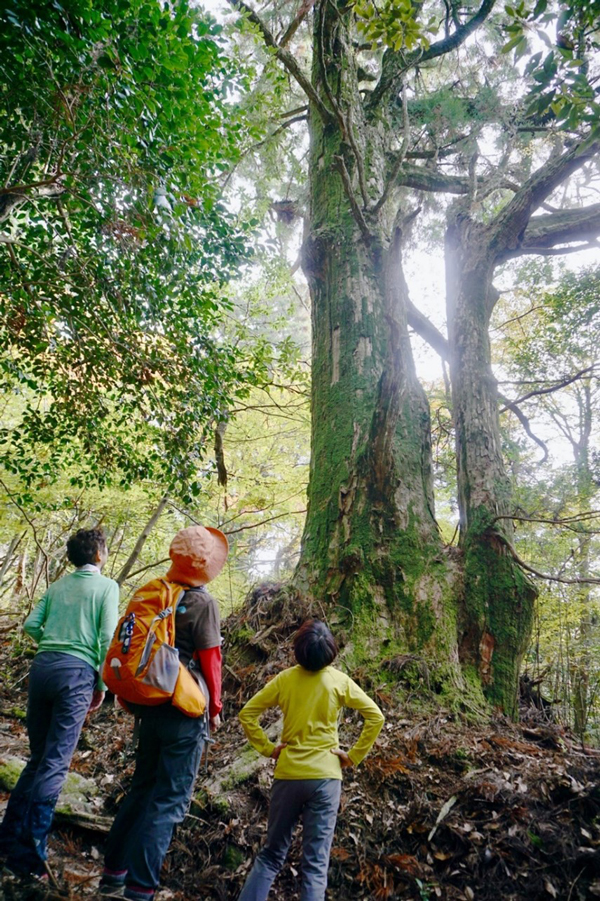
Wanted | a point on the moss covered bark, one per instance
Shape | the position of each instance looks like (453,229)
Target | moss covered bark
(497,605)
(371,546)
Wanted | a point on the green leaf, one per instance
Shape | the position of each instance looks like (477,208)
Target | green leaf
(514,42)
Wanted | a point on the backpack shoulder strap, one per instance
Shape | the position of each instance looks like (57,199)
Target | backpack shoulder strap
(175,592)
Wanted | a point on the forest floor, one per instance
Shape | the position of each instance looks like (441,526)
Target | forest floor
(442,808)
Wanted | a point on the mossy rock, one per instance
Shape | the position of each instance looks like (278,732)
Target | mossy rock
(76,794)
(245,766)
(203,801)
(215,791)
(74,798)
(242,635)
(10,770)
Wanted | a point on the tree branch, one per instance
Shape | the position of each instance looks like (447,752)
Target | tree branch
(220,454)
(511,405)
(395,64)
(147,567)
(360,166)
(556,386)
(284,57)
(50,188)
(424,179)
(285,125)
(508,229)
(255,525)
(556,251)
(32,527)
(427,330)
(439,48)
(356,210)
(544,232)
(567,522)
(130,562)
(8,202)
(539,574)
(292,28)
(400,158)
(21,189)
(438,153)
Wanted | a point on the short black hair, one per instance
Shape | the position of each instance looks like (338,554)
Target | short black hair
(85,545)
(314,645)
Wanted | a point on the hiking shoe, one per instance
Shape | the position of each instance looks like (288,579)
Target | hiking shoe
(111,891)
(112,882)
(24,875)
(138,893)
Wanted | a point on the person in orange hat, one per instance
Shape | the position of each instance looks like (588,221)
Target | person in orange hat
(170,743)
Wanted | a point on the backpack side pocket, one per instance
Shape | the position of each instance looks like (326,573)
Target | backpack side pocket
(164,669)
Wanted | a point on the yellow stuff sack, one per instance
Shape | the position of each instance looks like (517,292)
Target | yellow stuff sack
(142,665)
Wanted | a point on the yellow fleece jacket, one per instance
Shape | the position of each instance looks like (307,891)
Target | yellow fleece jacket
(311,703)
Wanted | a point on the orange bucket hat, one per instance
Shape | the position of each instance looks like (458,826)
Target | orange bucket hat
(198,555)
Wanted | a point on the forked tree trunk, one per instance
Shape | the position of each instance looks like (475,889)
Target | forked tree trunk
(371,545)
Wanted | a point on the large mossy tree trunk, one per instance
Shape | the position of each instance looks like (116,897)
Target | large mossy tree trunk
(497,604)
(371,544)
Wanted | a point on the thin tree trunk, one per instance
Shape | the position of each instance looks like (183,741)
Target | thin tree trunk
(14,544)
(585,490)
(131,560)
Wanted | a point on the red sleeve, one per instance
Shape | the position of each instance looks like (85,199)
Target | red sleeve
(210,664)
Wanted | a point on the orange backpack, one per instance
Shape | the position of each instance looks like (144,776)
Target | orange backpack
(142,664)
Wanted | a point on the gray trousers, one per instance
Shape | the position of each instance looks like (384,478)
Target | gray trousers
(316,801)
(60,692)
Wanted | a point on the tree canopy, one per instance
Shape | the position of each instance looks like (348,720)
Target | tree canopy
(119,122)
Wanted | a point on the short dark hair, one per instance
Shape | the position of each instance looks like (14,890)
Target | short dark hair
(85,545)
(314,645)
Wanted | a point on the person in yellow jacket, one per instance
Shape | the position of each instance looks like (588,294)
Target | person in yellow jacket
(309,766)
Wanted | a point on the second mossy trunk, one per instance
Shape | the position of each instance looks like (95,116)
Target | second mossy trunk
(497,602)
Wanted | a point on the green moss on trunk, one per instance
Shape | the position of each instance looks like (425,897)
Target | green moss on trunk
(498,612)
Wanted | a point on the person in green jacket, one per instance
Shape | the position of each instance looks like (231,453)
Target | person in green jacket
(309,766)
(73,625)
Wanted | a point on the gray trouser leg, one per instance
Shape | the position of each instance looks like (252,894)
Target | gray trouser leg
(318,825)
(317,801)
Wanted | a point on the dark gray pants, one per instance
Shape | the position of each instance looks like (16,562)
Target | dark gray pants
(60,693)
(317,802)
(167,761)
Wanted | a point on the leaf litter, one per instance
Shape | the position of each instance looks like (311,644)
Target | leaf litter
(442,808)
